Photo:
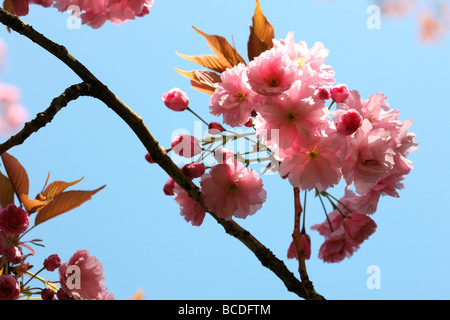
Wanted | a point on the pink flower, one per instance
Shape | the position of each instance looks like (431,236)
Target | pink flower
(13,254)
(189,208)
(52,262)
(272,72)
(9,287)
(306,246)
(317,165)
(20,7)
(359,227)
(176,100)
(369,157)
(332,223)
(366,203)
(311,67)
(186,145)
(13,113)
(294,115)
(95,13)
(13,220)
(230,189)
(233,97)
(347,121)
(337,247)
(82,277)
(375,109)
(193,170)
(339,93)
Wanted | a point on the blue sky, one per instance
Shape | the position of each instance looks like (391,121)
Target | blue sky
(137,232)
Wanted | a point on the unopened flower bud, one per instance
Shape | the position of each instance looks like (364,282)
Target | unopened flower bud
(194,170)
(249,123)
(176,100)
(339,93)
(186,146)
(52,262)
(169,187)
(349,122)
(323,93)
(13,254)
(215,128)
(48,294)
(149,158)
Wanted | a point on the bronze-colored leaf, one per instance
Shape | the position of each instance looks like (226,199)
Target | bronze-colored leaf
(16,174)
(32,206)
(8,6)
(228,55)
(201,80)
(56,187)
(207,60)
(64,202)
(261,34)
(6,191)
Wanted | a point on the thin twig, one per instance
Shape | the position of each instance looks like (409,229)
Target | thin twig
(296,235)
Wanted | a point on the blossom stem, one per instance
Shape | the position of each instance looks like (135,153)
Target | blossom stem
(331,105)
(346,208)
(325,210)
(195,114)
(34,275)
(296,235)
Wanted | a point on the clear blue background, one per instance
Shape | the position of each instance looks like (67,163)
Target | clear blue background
(137,232)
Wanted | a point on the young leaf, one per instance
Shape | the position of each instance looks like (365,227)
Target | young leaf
(261,34)
(64,202)
(228,55)
(32,206)
(207,60)
(16,174)
(56,187)
(6,191)
(201,80)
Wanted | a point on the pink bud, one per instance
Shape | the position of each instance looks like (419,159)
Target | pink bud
(323,93)
(339,93)
(176,100)
(349,122)
(249,123)
(149,158)
(13,220)
(9,287)
(52,262)
(186,146)
(48,294)
(215,128)
(169,187)
(194,170)
(13,254)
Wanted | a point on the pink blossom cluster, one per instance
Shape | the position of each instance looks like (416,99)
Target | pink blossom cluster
(88,284)
(92,12)
(228,189)
(286,94)
(12,113)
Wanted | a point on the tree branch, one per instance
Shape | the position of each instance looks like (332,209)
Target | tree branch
(42,118)
(134,121)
